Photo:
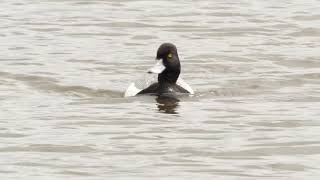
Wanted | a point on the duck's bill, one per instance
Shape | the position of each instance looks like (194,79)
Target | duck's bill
(158,68)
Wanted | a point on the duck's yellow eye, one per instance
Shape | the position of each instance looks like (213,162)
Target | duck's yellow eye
(169,55)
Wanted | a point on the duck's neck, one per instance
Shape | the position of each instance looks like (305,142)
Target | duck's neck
(169,76)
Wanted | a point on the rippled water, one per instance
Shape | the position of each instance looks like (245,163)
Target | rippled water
(65,64)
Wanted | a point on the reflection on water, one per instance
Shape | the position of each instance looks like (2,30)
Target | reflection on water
(167,104)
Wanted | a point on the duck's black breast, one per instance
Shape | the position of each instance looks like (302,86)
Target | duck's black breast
(159,89)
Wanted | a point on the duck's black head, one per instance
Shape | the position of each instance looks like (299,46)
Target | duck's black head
(168,66)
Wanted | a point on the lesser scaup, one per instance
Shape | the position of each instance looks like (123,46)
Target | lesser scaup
(168,69)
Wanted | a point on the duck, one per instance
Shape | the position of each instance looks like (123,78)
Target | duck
(168,68)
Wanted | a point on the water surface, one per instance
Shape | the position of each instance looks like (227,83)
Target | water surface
(65,64)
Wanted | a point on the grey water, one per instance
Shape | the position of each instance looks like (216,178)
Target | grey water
(65,65)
